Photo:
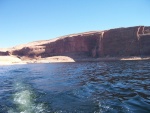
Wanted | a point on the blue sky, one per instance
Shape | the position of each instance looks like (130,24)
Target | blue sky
(23,21)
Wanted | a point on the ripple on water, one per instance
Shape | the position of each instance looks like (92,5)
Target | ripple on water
(103,87)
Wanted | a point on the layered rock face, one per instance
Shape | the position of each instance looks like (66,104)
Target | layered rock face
(120,42)
(4,53)
(74,46)
(144,41)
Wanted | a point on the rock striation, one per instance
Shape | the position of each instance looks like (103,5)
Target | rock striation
(119,42)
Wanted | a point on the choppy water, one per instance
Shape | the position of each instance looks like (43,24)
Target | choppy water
(103,87)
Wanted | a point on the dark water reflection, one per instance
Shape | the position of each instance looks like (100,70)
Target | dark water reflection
(103,87)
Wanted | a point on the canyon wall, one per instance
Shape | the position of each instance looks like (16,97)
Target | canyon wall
(120,42)
(144,41)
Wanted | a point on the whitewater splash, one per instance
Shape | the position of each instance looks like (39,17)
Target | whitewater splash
(24,100)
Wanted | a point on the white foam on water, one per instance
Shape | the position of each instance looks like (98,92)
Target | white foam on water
(24,99)
(103,108)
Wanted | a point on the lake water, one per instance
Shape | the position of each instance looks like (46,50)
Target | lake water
(87,87)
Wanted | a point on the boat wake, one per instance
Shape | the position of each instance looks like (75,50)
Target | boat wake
(25,100)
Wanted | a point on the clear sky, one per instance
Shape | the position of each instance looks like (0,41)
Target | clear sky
(23,21)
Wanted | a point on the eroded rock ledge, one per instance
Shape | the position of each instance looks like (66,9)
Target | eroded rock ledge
(120,42)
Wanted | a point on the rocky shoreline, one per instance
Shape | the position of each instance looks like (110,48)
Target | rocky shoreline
(13,60)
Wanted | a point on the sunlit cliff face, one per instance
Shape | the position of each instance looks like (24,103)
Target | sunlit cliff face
(119,42)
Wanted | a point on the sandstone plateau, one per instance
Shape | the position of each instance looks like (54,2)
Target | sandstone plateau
(100,45)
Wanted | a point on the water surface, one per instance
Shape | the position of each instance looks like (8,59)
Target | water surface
(102,87)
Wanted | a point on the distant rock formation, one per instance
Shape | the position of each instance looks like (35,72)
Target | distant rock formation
(120,42)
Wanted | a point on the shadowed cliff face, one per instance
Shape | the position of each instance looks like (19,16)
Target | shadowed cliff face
(74,46)
(121,42)
(4,53)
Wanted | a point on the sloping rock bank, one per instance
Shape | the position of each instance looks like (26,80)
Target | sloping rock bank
(120,42)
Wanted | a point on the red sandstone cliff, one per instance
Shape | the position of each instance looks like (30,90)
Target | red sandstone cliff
(120,42)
